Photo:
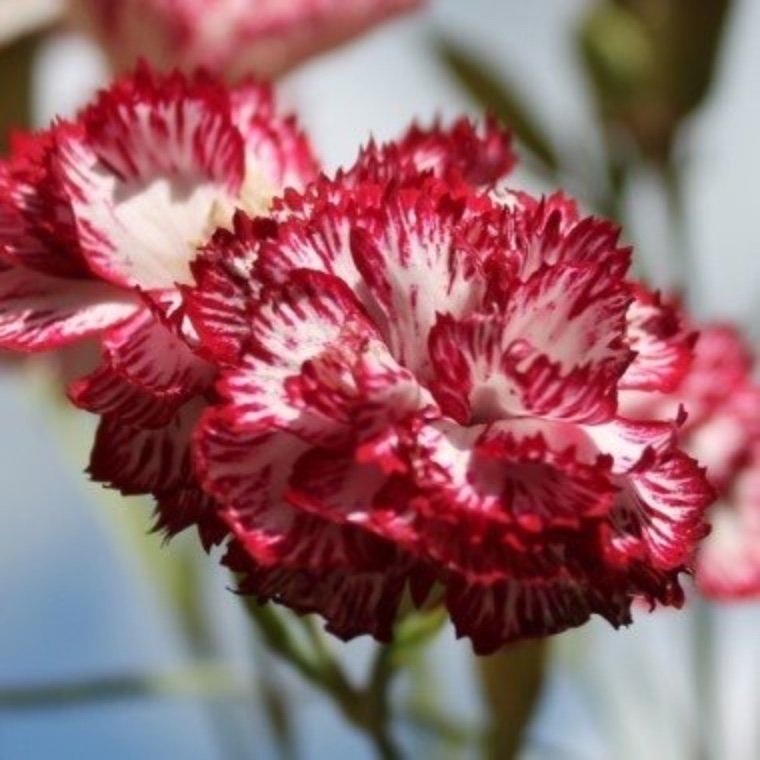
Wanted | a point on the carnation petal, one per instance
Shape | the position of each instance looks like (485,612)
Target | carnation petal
(549,231)
(108,393)
(353,604)
(138,220)
(662,342)
(226,288)
(488,500)
(481,155)
(414,269)
(145,461)
(292,325)
(660,513)
(248,475)
(277,151)
(39,313)
(556,352)
(496,615)
(148,352)
(37,229)
(321,243)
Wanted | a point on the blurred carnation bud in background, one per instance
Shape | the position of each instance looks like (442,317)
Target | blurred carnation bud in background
(651,64)
(230,37)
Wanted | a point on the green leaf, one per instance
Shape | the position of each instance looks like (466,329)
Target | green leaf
(280,714)
(511,683)
(207,680)
(493,94)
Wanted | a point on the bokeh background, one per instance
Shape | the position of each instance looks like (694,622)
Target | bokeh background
(76,600)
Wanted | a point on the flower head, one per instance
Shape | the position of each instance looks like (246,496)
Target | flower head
(405,384)
(231,37)
(722,430)
(100,219)
(419,392)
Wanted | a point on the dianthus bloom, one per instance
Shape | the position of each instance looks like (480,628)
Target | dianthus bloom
(232,37)
(419,402)
(404,385)
(722,400)
(99,221)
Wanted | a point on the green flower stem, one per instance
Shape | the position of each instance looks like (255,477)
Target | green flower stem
(439,726)
(360,707)
(685,276)
(207,680)
(511,683)
(704,674)
(376,705)
(278,637)
(367,708)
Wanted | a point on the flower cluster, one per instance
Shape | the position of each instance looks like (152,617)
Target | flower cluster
(232,37)
(403,385)
(722,401)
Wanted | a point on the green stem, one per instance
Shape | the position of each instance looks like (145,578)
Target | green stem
(681,260)
(280,640)
(440,726)
(618,175)
(207,680)
(365,708)
(704,640)
(511,683)
(379,712)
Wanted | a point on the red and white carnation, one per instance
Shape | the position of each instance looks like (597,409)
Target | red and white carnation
(419,399)
(100,219)
(230,37)
(722,430)
(404,385)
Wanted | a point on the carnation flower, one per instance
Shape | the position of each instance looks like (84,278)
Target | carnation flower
(405,385)
(100,219)
(136,183)
(418,402)
(232,37)
(722,430)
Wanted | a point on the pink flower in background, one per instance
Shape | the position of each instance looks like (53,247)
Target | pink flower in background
(232,37)
(421,392)
(722,430)
(100,219)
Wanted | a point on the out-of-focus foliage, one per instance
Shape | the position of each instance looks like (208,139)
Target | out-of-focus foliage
(16,60)
(22,26)
(510,709)
(651,64)
(494,94)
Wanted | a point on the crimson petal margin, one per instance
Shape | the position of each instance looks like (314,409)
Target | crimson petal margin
(39,313)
